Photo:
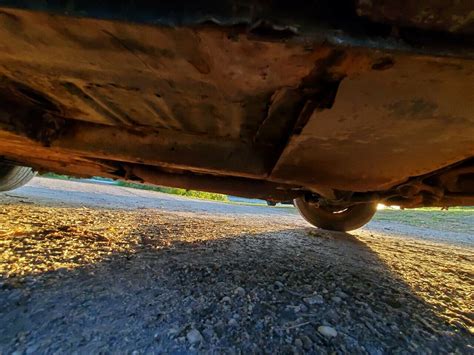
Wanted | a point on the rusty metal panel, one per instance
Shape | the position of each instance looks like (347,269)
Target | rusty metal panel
(385,126)
(201,80)
(440,15)
(333,103)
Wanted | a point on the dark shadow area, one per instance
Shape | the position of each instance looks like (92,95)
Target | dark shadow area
(251,292)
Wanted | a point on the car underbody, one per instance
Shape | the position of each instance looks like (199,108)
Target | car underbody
(342,103)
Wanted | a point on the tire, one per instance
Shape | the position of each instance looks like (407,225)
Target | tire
(351,218)
(14,176)
(271,203)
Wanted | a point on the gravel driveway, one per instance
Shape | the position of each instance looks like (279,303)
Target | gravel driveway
(100,269)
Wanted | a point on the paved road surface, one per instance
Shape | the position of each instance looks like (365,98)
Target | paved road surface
(98,268)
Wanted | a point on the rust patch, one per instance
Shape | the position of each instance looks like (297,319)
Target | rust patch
(47,129)
(30,96)
(200,64)
(30,112)
(414,107)
(290,108)
(440,15)
(11,21)
(383,63)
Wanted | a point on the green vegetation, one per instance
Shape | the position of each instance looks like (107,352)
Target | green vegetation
(176,191)
(56,176)
(456,219)
(167,190)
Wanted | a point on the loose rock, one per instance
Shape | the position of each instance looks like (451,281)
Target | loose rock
(327,331)
(239,291)
(194,336)
(298,343)
(307,342)
(279,285)
(233,323)
(316,299)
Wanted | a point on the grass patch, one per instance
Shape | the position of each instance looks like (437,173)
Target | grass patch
(456,219)
(176,191)
(56,176)
(166,190)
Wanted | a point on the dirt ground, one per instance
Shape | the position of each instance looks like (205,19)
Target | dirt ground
(101,269)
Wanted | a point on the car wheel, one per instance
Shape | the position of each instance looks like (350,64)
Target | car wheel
(14,176)
(346,219)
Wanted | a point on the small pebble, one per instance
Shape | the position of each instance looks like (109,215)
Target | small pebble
(327,331)
(307,342)
(342,294)
(239,291)
(279,285)
(298,343)
(172,332)
(316,299)
(194,336)
(233,323)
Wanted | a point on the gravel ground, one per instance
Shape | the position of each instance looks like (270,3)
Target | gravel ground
(100,269)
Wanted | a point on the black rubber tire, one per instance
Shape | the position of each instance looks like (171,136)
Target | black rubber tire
(349,219)
(14,176)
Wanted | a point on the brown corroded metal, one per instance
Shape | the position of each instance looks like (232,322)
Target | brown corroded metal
(440,15)
(387,125)
(306,114)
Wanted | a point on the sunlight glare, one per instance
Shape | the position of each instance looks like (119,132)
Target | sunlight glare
(381,206)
